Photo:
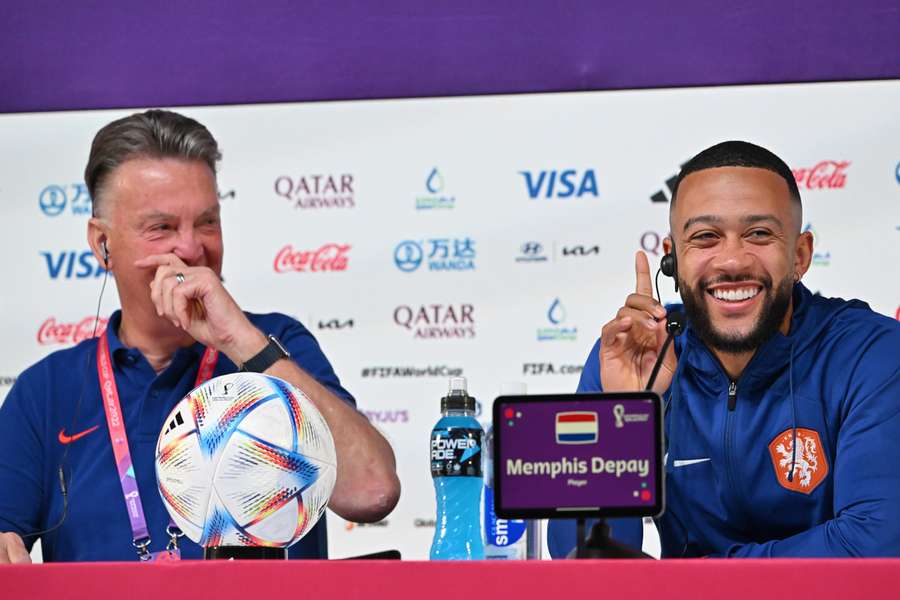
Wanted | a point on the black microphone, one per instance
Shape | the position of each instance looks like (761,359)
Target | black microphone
(674,325)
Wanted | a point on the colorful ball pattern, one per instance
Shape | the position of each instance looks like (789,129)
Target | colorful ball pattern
(245,460)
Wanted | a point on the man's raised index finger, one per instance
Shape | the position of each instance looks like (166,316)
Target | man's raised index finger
(642,273)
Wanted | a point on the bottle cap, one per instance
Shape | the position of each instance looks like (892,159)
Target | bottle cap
(457,397)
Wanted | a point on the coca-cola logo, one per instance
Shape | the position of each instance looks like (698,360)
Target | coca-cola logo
(52,332)
(827,174)
(330,257)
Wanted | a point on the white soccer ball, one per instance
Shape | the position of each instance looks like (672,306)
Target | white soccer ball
(245,460)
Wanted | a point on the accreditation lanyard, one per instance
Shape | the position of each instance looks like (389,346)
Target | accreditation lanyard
(114,420)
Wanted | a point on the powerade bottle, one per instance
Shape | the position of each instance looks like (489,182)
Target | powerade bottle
(505,539)
(456,469)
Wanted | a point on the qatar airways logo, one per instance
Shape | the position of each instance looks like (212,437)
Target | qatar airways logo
(330,257)
(826,174)
(53,333)
(317,191)
(437,321)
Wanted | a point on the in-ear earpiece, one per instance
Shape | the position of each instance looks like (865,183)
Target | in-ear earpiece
(669,266)
(105,253)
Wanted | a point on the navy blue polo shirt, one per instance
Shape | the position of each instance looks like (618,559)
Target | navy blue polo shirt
(62,392)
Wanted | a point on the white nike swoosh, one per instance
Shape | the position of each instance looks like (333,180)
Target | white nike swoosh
(690,461)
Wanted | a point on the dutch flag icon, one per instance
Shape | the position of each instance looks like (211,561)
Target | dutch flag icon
(576,427)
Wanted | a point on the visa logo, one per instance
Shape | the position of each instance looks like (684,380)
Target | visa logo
(560,184)
(70,264)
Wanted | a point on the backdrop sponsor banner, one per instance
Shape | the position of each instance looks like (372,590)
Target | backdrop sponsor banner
(487,237)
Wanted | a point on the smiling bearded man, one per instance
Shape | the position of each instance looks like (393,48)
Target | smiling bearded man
(781,405)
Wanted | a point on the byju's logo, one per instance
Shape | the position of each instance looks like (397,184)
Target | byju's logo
(72,264)
(317,191)
(560,184)
(531,252)
(821,257)
(437,321)
(53,200)
(382,417)
(556,314)
(444,254)
(435,198)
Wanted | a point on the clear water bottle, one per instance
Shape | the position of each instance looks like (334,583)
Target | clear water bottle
(456,442)
(505,539)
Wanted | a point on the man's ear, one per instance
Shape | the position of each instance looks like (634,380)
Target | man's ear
(98,239)
(803,253)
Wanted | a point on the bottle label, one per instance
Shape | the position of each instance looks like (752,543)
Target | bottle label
(456,452)
(500,532)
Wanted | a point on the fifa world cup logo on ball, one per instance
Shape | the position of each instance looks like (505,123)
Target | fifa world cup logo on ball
(245,460)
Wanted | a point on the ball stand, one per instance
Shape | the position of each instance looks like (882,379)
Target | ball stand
(244,553)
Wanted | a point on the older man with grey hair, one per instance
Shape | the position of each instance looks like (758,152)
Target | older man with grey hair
(156,226)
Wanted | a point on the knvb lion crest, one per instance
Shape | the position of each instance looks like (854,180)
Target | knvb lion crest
(810,464)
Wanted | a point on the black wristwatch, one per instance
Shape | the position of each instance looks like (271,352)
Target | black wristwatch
(267,357)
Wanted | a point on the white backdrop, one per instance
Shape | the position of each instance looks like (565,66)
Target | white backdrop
(453,179)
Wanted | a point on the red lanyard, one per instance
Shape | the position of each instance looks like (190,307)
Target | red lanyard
(115,422)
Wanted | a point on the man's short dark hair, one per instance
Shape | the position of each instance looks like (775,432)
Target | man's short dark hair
(737,154)
(150,134)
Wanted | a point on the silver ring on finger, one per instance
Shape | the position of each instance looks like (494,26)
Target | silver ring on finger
(179,277)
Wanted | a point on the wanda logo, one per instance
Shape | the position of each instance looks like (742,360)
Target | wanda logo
(51,332)
(827,174)
(330,257)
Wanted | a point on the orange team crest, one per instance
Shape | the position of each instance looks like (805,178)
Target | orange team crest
(810,464)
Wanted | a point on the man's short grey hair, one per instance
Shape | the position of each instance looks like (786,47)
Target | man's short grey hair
(150,134)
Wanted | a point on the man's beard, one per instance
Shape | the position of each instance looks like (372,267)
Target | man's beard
(772,312)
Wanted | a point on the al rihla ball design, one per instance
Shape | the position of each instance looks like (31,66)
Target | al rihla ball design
(245,460)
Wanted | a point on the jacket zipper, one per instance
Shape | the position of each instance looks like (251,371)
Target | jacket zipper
(729,437)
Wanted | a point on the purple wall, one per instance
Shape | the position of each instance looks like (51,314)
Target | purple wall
(102,54)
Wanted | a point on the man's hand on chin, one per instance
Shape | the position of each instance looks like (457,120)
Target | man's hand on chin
(194,299)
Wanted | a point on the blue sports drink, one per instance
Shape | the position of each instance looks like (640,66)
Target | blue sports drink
(456,469)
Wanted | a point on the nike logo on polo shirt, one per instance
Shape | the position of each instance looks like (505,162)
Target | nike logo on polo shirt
(68,439)
(690,461)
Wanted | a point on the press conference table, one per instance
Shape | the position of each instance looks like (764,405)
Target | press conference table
(544,580)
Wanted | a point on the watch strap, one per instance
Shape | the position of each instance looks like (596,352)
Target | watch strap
(268,356)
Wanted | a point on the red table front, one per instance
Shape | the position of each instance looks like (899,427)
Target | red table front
(545,580)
